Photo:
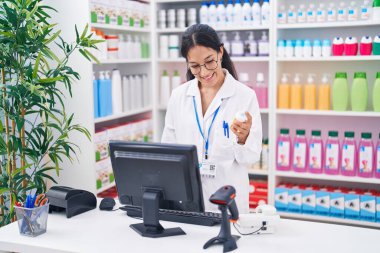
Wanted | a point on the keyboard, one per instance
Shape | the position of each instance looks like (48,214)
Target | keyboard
(203,219)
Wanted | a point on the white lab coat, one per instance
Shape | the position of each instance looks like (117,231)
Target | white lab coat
(232,159)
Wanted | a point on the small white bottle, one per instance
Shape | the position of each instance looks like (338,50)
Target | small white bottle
(280,48)
(365,10)
(133,91)
(298,49)
(281,15)
(237,13)
(342,12)
(221,15)
(265,13)
(126,94)
(129,49)
(203,13)
(263,45)
(117,94)
(326,48)
(171,18)
(311,15)
(301,14)
(146,90)
(307,49)
(289,49)
(137,47)
(237,46)
(251,45)
(165,89)
(331,13)
(162,19)
(139,91)
(229,14)
(226,43)
(352,14)
(321,13)
(317,48)
(247,14)
(122,46)
(292,17)
(176,80)
(256,13)
(212,14)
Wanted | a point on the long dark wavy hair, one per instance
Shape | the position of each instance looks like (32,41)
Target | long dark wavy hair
(204,35)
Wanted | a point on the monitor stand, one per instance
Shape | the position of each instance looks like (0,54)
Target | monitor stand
(151,226)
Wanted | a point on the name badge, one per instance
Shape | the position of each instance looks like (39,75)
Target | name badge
(208,169)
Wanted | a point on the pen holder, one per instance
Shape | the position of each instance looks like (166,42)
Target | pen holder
(32,221)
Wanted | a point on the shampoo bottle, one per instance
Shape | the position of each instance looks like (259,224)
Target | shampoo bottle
(117,94)
(284,150)
(283,93)
(310,92)
(340,92)
(300,151)
(332,154)
(324,94)
(376,93)
(349,154)
(237,46)
(359,92)
(365,159)
(296,93)
(315,152)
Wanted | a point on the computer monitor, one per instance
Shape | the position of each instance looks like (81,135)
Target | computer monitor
(156,175)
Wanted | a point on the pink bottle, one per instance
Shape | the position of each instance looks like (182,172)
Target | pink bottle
(338,46)
(315,152)
(300,152)
(351,46)
(261,90)
(377,161)
(284,150)
(349,155)
(365,156)
(366,45)
(332,156)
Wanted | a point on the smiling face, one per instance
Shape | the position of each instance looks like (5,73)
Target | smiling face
(205,64)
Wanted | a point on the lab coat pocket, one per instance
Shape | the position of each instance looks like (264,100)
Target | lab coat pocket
(223,146)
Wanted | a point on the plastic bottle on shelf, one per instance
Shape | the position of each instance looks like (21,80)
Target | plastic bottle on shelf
(181,18)
(307,49)
(256,13)
(247,13)
(203,13)
(311,15)
(376,45)
(342,12)
(107,84)
(229,13)
(244,78)
(281,15)
(351,46)
(237,13)
(126,94)
(365,10)
(122,46)
(352,13)
(162,19)
(171,18)
(129,45)
(377,158)
(117,95)
(340,92)
(300,151)
(176,80)
(338,46)
(310,93)
(321,13)
(263,45)
(226,43)
(365,157)
(138,91)
(265,13)
(292,16)
(165,89)
(324,93)
(332,154)
(376,93)
(212,14)
(133,90)
(317,48)
(221,14)
(326,48)
(315,152)
(284,153)
(366,45)
(265,155)
(251,45)
(289,49)
(137,48)
(296,93)
(280,48)
(359,92)
(301,14)
(95,91)
(173,46)
(191,16)
(261,90)
(237,46)
(146,90)
(349,154)
(284,92)
(298,49)
(331,13)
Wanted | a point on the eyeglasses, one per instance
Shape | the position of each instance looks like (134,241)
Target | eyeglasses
(209,65)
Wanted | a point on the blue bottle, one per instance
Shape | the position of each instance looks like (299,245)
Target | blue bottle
(95,85)
(105,95)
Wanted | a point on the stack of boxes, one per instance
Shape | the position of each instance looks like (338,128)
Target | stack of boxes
(258,193)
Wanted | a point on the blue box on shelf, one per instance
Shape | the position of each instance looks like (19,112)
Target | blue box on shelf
(308,200)
(368,206)
(322,202)
(352,205)
(295,199)
(281,197)
(337,203)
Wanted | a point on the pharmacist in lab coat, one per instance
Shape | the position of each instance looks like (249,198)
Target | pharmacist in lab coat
(201,112)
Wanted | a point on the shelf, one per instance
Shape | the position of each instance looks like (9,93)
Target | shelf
(120,28)
(258,172)
(123,61)
(176,1)
(328,25)
(126,114)
(329,219)
(224,29)
(327,113)
(234,59)
(109,186)
(331,58)
(341,178)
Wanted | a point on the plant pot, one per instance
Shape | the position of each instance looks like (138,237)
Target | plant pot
(32,221)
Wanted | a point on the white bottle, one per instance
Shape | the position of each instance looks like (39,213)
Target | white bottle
(342,12)
(365,10)
(331,13)
(126,94)
(251,45)
(229,13)
(132,95)
(298,49)
(137,47)
(146,90)
(265,13)
(301,14)
(162,19)
(292,17)
(317,48)
(352,12)
(237,46)
(256,13)
(326,48)
(226,43)
(281,15)
(171,18)
(311,15)
(212,14)
(129,49)
(237,13)
(176,80)
(263,45)
(117,94)
(247,14)
(122,46)
(280,48)
(165,89)
(139,91)
(221,15)
(289,49)
(321,13)
(203,13)
(307,49)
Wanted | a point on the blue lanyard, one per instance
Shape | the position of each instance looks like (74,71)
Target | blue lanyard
(209,129)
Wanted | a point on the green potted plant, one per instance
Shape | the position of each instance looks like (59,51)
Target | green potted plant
(34,127)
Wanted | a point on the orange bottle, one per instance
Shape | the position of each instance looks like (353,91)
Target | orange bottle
(324,94)
(283,98)
(310,94)
(296,93)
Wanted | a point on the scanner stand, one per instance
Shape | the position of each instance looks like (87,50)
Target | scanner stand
(224,237)
(151,226)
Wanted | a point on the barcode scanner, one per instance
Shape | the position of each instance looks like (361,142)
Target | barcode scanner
(225,199)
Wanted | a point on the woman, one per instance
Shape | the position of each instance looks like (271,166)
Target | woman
(201,112)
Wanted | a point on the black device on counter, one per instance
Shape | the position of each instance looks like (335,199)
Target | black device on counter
(157,176)
(74,201)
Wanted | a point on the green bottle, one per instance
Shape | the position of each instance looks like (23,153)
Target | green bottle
(359,92)
(376,93)
(340,92)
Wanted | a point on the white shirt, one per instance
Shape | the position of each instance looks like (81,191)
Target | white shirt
(232,159)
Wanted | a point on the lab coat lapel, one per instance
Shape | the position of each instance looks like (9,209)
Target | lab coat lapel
(193,91)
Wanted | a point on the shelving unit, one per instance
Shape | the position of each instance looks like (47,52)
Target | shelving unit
(327,24)
(331,58)
(123,115)
(219,29)
(327,113)
(121,28)
(233,58)
(124,61)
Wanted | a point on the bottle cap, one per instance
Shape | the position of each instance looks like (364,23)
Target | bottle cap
(289,43)
(326,43)
(284,78)
(265,141)
(300,132)
(360,75)
(351,40)
(310,79)
(307,43)
(176,73)
(341,75)
(325,78)
(317,43)
(376,3)
(333,133)
(377,75)
(299,43)
(243,77)
(284,131)
(338,41)
(280,43)
(377,39)
(366,135)
(260,77)
(165,73)
(316,133)
(349,134)
(366,39)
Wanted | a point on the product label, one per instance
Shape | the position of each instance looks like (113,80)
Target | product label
(315,155)
(365,159)
(290,14)
(279,15)
(378,160)
(332,156)
(348,157)
(299,157)
(283,154)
